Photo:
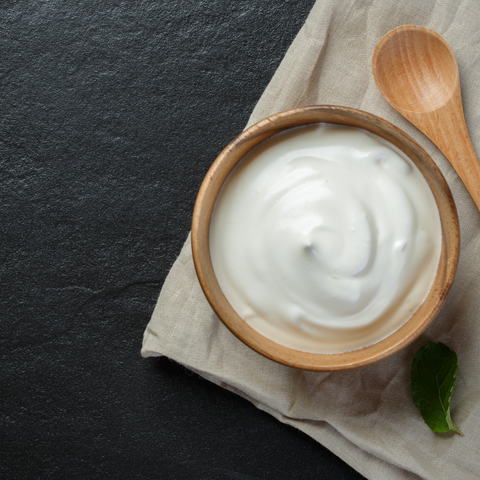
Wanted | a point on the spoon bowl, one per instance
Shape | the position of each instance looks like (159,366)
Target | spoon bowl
(416,71)
(407,83)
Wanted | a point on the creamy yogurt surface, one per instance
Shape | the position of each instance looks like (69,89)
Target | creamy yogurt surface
(325,238)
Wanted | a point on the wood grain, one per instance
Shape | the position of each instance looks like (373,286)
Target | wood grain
(416,71)
(233,154)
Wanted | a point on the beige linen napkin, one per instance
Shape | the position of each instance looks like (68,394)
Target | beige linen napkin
(366,416)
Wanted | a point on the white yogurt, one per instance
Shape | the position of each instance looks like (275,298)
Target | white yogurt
(325,238)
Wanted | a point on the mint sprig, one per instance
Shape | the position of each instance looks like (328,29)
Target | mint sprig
(433,378)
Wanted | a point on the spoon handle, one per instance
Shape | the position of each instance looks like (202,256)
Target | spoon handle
(446,128)
(463,159)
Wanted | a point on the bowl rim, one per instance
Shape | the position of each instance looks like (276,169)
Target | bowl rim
(204,206)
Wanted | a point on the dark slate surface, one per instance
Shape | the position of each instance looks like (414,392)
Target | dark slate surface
(111,113)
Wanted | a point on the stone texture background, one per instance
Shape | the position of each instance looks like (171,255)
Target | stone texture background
(111,113)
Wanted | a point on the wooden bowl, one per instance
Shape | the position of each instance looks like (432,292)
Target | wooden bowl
(205,203)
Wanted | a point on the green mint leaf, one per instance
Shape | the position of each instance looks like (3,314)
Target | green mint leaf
(433,378)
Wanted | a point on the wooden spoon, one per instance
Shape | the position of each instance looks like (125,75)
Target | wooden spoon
(416,71)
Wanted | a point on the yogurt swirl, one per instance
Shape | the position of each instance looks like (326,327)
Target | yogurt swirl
(325,238)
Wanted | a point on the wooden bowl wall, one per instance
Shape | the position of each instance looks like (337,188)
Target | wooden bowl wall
(219,172)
